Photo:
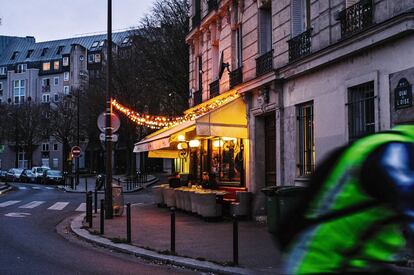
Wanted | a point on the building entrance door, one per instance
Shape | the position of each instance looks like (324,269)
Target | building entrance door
(270,149)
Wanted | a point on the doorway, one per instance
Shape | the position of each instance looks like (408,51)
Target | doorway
(270,149)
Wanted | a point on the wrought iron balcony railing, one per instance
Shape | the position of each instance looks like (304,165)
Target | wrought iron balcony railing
(197,97)
(236,77)
(264,63)
(356,18)
(46,89)
(212,5)
(300,46)
(215,88)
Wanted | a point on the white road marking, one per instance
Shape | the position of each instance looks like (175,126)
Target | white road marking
(8,203)
(17,215)
(58,206)
(82,207)
(32,204)
(22,188)
(49,188)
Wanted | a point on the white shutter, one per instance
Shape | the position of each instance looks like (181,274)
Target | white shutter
(297,17)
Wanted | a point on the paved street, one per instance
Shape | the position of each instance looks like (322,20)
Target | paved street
(32,241)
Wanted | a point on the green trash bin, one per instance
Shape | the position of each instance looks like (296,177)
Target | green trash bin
(272,207)
(288,198)
(279,202)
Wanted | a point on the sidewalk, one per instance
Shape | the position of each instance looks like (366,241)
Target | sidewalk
(88,184)
(204,242)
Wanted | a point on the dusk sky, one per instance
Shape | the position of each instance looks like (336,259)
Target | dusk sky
(56,19)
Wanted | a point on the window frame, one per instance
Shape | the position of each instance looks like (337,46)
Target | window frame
(66,76)
(3,70)
(65,61)
(56,65)
(19,91)
(54,80)
(305,135)
(46,66)
(46,98)
(66,89)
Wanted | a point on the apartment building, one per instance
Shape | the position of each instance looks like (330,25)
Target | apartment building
(44,73)
(313,74)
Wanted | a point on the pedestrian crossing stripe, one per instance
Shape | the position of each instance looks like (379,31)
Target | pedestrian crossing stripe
(22,188)
(8,203)
(81,208)
(32,204)
(58,206)
(50,188)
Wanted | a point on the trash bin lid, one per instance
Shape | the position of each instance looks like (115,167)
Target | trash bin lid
(290,190)
(270,190)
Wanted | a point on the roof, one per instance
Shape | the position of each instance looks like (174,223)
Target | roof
(24,45)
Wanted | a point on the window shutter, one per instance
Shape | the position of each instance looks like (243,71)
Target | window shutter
(297,17)
(351,2)
(265,20)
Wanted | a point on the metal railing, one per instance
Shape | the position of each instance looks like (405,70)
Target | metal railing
(356,18)
(236,77)
(198,98)
(300,46)
(215,88)
(264,63)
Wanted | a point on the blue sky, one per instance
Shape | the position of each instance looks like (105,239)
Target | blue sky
(56,19)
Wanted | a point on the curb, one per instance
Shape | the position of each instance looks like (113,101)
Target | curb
(76,227)
(149,183)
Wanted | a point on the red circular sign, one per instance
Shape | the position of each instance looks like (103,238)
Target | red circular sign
(76,151)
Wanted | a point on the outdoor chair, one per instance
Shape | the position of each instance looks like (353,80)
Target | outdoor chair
(169,196)
(209,208)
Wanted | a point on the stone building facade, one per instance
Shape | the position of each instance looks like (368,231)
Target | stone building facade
(314,75)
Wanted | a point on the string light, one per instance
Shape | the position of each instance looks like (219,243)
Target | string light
(157,122)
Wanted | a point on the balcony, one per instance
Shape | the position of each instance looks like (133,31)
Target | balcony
(300,45)
(212,5)
(356,18)
(236,77)
(197,97)
(196,19)
(215,88)
(264,63)
(46,89)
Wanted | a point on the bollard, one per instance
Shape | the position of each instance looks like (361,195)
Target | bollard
(86,184)
(96,201)
(235,241)
(90,209)
(87,207)
(128,214)
(102,217)
(172,230)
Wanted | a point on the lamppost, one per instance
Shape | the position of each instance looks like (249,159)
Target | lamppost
(108,129)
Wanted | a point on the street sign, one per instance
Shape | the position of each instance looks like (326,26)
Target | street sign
(114,137)
(76,151)
(115,121)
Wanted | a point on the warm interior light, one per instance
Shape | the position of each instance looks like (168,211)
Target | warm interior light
(181,138)
(217,143)
(230,139)
(179,146)
(182,146)
(194,143)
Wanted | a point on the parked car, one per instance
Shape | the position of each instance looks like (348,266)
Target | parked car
(38,172)
(13,174)
(52,177)
(3,175)
(27,176)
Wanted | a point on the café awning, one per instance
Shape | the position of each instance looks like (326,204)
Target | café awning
(228,120)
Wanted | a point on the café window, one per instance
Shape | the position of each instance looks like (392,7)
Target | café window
(226,160)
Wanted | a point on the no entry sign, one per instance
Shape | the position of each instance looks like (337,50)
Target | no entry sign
(76,151)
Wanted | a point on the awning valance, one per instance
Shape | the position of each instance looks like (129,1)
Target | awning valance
(227,121)
(165,154)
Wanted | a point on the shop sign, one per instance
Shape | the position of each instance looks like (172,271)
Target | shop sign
(403,95)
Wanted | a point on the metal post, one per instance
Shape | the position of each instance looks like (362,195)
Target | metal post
(86,184)
(108,130)
(90,209)
(128,222)
(172,230)
(77,139)
(96,201)
(235,241)
(102,229)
